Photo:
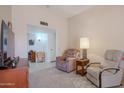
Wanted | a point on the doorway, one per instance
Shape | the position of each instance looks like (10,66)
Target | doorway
(41,44)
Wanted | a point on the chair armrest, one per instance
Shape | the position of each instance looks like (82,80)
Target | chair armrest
(106,69)
(59,58)
(92,64)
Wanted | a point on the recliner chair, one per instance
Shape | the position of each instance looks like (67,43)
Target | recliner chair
(108,73)
(66,62)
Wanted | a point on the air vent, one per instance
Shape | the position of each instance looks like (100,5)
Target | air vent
(44,23)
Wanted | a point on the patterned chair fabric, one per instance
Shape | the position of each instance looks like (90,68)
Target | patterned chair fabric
(71,53)
(66,62)
(40,56)
(109,73)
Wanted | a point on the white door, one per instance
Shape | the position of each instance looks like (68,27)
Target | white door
(52,46)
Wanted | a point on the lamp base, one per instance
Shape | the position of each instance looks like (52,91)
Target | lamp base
(84,54)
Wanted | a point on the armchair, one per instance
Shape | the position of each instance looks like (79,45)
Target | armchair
(67,61)
(40,56)
(108,73)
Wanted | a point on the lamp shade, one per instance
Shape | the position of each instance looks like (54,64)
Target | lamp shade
(84,43)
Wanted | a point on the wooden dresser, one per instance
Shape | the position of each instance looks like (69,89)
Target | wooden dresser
(15,78)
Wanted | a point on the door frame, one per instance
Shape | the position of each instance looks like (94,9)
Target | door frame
(46,30)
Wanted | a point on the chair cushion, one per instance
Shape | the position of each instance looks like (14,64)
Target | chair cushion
(94,72)
(70,59)
(109,64)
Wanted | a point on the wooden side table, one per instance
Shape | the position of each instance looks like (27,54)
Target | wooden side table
(80,64)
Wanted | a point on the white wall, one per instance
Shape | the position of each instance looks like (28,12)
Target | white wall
(5,13)
(24,15)
(38,45)
(104,25)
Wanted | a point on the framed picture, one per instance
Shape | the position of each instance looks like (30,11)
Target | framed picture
(31,42)
(5,41)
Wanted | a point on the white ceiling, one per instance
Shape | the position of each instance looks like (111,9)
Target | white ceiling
(68,10)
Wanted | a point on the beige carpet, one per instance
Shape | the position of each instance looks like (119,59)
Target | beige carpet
(54,78)
(45,75)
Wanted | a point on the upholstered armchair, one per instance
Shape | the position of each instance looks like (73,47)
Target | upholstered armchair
(66,62)
(40,56)
(108,73)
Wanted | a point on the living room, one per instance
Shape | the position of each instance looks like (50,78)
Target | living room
(101,27)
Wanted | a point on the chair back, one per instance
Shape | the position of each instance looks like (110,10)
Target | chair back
(40,54)
(113,55)
(73,53)
(122,62)
(112,58)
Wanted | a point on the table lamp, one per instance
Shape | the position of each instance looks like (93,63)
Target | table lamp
(84,45)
